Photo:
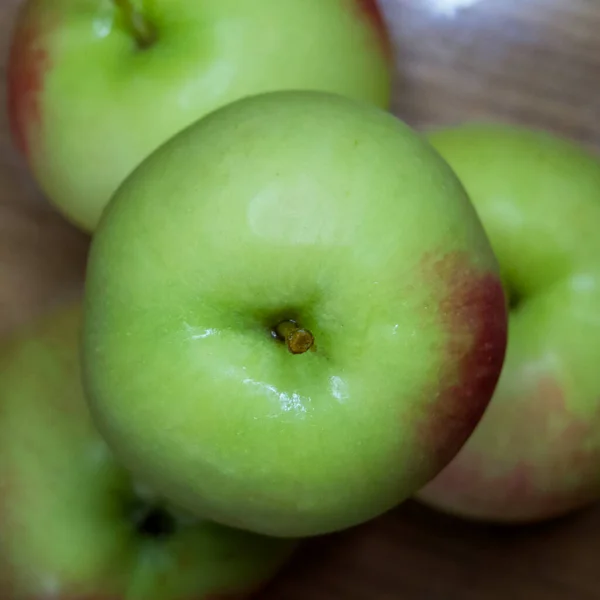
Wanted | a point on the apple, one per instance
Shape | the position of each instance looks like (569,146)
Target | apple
(536,453)
(293,316)
(74,525)
(95,85)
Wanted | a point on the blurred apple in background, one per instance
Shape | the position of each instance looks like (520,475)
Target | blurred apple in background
(294,332)
(536,453)
(72,523)
(95,85)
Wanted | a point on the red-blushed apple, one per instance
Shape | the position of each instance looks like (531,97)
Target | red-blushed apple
(95,85)
(536,453)
(294,318)
(73,525)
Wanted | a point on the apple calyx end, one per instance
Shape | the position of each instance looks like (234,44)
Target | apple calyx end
(153,521)
(298,340)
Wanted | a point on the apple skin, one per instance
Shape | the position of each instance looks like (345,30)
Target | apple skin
(536,453)
(302,206)
(86,105)
(67,528)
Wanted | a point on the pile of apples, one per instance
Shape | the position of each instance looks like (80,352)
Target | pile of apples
(299,312)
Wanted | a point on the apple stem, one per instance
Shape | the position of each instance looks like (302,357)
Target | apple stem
(138,25)
(297,339)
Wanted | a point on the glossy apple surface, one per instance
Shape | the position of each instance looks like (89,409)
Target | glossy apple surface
(95,85)
(73,525)
(536,453)
(305,208)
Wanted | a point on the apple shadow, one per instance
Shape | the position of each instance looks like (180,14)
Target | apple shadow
(390,557)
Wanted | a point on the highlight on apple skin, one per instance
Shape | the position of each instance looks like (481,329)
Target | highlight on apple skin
(536,453)
(294,332)
(73,525)
(95,86)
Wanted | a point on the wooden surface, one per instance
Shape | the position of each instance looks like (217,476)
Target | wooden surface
(535,62)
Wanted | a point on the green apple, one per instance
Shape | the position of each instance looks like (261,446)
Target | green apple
(95,85)
(73,524)
(293,318)
(536,453)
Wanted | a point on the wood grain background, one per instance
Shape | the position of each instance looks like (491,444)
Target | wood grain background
(534,62)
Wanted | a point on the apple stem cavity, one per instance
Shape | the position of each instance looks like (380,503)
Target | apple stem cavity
(297,339)
(141,29)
